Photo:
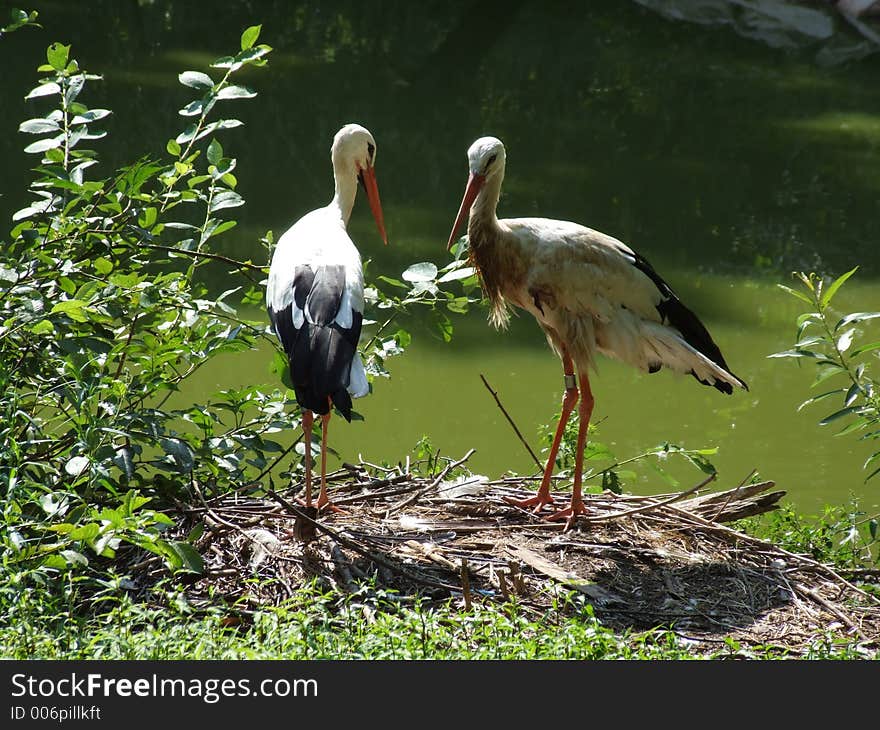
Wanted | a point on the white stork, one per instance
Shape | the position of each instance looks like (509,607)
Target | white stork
(315,296)
(589,293)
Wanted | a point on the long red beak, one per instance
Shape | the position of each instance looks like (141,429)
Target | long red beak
(368,179)
(474,185)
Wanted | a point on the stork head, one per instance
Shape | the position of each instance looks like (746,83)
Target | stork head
(486,158)
(354,152)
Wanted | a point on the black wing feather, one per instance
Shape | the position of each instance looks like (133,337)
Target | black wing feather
(694,332)
(320,352)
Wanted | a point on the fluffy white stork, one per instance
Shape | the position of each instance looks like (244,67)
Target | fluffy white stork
(315,296)
(589,293)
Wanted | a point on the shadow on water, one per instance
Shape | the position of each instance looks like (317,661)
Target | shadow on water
(727,162)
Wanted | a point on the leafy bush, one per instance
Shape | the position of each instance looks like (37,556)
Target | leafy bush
(103,318)
(836,346)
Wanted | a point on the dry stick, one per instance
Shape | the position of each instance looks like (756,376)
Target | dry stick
(650,505)
(510,421)
(465,584)
(432,485)
(813,595)
(351,545)
(730,495)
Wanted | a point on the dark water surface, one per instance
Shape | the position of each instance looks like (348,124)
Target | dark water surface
(726,162)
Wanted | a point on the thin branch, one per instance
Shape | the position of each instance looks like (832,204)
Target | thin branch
(205,255)
(510,421)
(433,485)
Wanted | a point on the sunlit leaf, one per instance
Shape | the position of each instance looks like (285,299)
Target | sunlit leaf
(845,340)
(855,317)
(93,115)
(38,126)
(45,89)
(42,145)
(236,92)
(424,271)
(196,80)
(74,557)
(77,465)
(462,273)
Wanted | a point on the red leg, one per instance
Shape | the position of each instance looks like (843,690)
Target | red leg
(568,401)
(576,506)
(307,420)
(323,500)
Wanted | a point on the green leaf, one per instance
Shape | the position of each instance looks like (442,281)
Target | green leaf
(857,424)
(189,557)
(86,533)
(196,80)
(803,297)
(148,218)
(852,394)
(873,473)
(215,152)
(178,453)
(250,36)
(832,290)
(838,414)
(56,55)
(73,308)
(43,327)
(173,148)
(226,199)
(865,348)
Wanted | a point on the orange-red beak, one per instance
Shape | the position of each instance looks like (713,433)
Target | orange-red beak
(367,177)
(474,185)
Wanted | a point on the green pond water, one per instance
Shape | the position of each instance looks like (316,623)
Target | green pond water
(727,162)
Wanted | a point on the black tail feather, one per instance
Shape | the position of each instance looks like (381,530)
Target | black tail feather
(694,332)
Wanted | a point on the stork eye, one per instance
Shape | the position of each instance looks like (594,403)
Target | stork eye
(371,150)
(491,159)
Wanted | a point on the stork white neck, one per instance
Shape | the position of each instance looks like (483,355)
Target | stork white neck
(484,209)
(346,182)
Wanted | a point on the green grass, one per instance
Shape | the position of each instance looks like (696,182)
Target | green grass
(55,620)
(313,627)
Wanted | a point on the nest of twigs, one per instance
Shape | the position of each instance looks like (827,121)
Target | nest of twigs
(642,562)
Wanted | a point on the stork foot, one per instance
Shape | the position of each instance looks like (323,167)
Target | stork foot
(569,514)
(538,501)
(324,503)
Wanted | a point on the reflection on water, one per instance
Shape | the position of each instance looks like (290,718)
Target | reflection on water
(726,162)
